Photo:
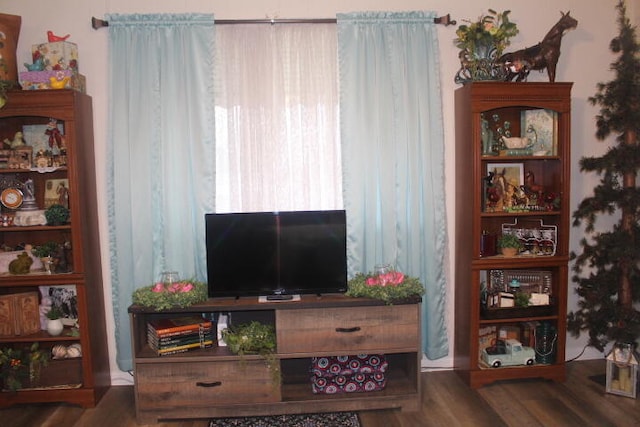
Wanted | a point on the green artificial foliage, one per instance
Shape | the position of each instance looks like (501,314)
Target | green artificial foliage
(509,241)
(607,270)
(56,215)
(254,338)
(45,250)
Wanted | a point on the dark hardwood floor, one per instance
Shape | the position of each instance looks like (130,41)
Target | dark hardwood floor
(447,401)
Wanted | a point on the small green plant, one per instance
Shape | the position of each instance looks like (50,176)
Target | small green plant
(522,299)
(45,250)
(54,313)
(56,214)
(509,241)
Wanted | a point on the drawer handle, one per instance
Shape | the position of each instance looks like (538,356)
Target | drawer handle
(348,330)
(213,384)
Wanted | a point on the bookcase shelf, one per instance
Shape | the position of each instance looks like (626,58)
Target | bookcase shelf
(539,185)
(83,380)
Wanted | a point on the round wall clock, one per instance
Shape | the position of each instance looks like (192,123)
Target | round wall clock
(11,198)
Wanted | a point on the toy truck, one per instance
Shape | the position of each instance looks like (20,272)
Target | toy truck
(508,353)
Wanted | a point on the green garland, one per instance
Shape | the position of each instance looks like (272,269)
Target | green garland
(389,287)
(162,297)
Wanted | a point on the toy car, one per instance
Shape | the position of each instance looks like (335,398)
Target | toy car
(508,353)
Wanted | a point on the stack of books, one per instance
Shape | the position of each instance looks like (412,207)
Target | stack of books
(176,335)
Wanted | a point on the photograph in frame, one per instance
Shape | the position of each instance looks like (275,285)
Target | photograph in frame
(541,127)
(504,181)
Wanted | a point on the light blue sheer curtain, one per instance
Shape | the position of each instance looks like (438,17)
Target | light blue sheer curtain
(393,153)
(160,152)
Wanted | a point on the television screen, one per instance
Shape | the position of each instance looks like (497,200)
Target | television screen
(276,253)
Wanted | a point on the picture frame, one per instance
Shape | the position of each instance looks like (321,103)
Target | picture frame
(503,185)
(541,126)
(56,192)
(63,297)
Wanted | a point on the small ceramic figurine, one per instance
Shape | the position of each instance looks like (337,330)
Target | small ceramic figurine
(53,38)
(21,265)
(56,83)
(38,65)
(17,142)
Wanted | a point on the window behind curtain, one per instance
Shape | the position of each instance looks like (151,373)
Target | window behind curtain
(277,129)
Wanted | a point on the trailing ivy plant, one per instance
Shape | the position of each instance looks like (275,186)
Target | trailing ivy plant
(607,270)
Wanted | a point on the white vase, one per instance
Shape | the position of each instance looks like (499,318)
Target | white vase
(54,327)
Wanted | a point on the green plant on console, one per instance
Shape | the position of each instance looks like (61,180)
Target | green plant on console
(254,338)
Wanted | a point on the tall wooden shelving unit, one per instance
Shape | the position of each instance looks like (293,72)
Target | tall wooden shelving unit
(497,103)
(81,380)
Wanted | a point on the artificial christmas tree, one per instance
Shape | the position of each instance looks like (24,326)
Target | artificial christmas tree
(607,271)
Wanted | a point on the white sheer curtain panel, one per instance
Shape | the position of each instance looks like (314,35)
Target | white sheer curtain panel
(277,130)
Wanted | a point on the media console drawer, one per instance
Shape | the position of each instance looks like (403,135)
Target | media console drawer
(173,385)
(344,330)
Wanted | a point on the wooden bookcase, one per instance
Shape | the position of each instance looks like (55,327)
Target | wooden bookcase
(214,382)
(81,380)
(486,111)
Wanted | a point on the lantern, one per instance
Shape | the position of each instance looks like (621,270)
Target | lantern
(622,370)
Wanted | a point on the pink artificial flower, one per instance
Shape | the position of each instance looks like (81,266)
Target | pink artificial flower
(186,287)
(396,278)
(372,281)
(174,287)
(158,287)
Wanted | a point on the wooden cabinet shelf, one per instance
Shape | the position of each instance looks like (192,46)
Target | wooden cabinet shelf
(168,387)
(82,380)
(520,191)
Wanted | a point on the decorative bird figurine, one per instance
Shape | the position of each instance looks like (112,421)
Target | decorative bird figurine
(38,65)
(56,83)
(53,38)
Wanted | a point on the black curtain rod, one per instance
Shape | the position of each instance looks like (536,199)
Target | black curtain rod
(444,20)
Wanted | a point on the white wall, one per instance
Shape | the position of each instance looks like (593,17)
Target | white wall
(585,61)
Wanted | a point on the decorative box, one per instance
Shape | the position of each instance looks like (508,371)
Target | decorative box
(348,374)
(19,314)
(56,55)
(58,79)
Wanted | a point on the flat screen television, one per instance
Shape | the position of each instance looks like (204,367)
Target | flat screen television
(276,254)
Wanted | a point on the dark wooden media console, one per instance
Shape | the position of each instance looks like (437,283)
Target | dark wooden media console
(214,382)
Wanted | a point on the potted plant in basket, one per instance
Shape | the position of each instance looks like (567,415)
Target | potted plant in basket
(509,244)
(481,43)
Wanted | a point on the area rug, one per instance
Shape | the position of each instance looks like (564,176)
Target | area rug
(329,419)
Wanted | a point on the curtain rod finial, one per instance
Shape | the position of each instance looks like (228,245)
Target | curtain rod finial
(445,20)
(98,23)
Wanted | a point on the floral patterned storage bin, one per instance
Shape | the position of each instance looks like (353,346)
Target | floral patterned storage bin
(348,374)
